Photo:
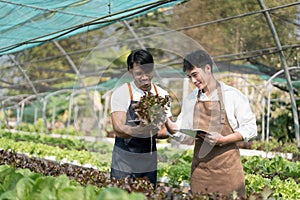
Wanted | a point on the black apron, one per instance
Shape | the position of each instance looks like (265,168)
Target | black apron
(134,157)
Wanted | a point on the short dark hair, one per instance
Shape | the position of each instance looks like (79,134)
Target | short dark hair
(142,58)
(198,58)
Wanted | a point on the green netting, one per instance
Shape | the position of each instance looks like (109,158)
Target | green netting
(27,23)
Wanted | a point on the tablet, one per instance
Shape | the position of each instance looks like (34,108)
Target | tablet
(190,132)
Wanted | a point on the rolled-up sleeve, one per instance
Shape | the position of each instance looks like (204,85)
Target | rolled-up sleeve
(246,120)
(239,114)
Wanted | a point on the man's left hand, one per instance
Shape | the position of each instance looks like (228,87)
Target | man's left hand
(212,138)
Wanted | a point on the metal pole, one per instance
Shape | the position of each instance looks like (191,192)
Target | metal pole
(25,75)
(69,112)
(31,85)
(134,34)
(53,116)
(286,71)
(18,117)
(35,114)
(22,103)
(105,109)
(22,111)
(1,118)
(263,104)
(6,119)
(44,114)
(268,111)
(76,117)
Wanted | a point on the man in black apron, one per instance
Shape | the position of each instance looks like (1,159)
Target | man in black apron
(134,153)
(222,116)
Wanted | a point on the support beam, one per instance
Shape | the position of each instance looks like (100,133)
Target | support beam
(24,74)
(285,68)
(134,34)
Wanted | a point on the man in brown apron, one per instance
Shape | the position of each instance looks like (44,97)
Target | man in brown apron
(216,165)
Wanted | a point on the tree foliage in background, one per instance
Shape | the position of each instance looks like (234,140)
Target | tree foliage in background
(237,35)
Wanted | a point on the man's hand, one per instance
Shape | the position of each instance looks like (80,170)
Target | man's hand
(144,131)
(125,131)
(212,138)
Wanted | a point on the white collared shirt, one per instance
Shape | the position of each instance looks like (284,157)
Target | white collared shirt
(238,111)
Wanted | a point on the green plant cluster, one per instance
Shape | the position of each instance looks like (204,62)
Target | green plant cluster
(274,145)
(22,184)
(151,109)
(61,142)
(83,175)
(263,176)
(44,139)
(270,168)
(177,168)
(87,176)
(71,130)
(101,161)
(271,188)
(39,127)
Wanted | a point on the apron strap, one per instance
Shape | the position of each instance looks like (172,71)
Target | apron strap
(222,107)
(130,91)
(155,88)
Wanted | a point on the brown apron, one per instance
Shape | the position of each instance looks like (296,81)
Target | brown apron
(215,168)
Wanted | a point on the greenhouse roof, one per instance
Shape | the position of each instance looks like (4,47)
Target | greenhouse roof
(27,23)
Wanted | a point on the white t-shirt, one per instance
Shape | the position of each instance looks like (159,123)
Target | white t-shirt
(120,99)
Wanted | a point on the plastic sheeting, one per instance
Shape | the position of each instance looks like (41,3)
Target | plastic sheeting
(27,23)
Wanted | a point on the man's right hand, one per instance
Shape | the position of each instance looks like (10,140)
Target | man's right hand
(143,131)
